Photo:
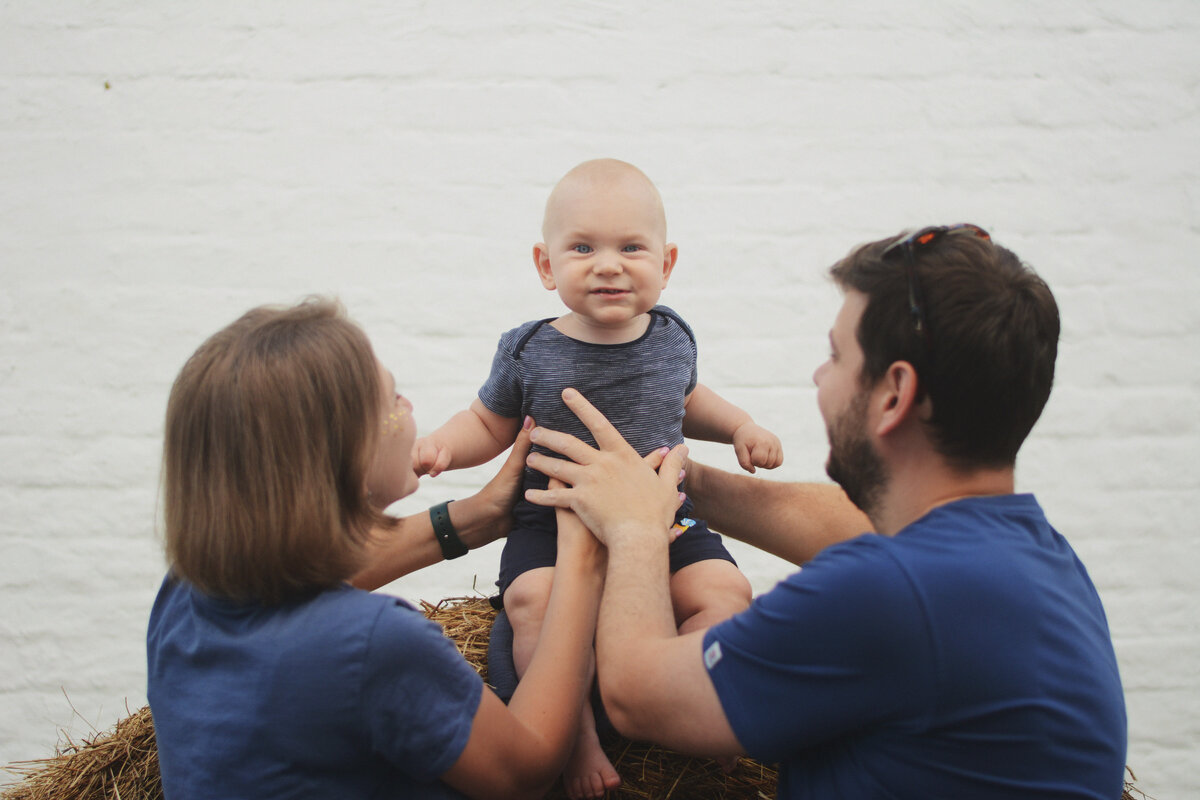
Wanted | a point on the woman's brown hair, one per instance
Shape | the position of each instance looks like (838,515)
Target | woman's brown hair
(271,427)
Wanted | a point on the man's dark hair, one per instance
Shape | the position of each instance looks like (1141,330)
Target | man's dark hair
(986,354)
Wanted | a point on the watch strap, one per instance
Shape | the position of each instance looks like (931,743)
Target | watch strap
(443,531)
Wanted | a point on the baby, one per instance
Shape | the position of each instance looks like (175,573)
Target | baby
(606,254)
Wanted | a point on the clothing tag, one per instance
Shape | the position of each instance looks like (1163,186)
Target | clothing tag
(680,528)
(712,656)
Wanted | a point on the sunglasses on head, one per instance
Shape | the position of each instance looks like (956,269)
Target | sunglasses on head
(908,246)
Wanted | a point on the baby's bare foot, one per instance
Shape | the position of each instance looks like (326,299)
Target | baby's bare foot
(589,773)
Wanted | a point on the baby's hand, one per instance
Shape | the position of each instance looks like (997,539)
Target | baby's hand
(756,446)
(429,457)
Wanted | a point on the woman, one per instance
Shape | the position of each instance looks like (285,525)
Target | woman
(271,676)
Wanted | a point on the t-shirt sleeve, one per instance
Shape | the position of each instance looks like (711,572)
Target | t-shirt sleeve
(501,393)
(694,377)
(837,646)
(692,353)
(420,695)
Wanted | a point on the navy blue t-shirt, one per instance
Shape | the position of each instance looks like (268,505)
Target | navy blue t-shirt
(966,657)
(347,694)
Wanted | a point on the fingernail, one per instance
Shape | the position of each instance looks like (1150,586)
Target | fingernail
(568,392)
(664,450)
(682,497)
(528,423)
(682,474)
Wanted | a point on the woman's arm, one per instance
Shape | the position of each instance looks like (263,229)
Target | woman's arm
(479,519)
(794,521)
(519,750)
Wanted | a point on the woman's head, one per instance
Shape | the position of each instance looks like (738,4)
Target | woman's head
(272,427)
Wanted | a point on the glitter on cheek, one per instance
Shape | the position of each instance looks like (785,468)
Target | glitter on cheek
(394,422)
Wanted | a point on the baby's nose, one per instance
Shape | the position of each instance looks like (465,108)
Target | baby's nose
(608,263)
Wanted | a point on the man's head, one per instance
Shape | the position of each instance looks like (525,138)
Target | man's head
(979,327)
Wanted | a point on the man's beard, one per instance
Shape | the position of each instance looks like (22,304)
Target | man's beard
(853,464)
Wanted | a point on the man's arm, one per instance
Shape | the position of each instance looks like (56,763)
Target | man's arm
(483,517)
(653,681)
(794,521)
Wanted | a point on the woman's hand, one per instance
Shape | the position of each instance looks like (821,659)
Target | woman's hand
(491,517)
(575,541)
(615,492)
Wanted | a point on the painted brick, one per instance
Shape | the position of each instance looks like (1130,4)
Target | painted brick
(165,167)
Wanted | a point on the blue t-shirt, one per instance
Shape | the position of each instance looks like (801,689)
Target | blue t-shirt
(346,694)
(966,657)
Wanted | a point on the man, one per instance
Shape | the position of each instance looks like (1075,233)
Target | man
(961,651)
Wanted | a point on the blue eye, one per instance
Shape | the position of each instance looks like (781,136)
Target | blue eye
(582,248)
(631,248)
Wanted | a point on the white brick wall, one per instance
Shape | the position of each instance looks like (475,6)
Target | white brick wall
(163,167)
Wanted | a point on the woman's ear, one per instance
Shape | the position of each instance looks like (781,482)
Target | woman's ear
(541,260)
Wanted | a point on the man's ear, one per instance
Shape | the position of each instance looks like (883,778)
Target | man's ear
(896,398)
(541,260)
(670,254)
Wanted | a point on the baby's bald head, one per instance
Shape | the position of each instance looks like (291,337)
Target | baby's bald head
(602,175)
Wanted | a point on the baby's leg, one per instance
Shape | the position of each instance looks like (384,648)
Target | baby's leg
(525,602)
(708,592)
(588,773)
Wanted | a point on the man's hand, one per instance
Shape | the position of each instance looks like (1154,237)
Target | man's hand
(756,446)
(614,491)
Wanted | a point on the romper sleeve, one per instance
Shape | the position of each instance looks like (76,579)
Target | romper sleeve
(689,343)
(420,695)
(838,646)
(501,393)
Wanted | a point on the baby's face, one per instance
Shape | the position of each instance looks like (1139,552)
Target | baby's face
(606,252)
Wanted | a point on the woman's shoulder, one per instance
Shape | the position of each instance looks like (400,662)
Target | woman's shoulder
(389,623)
(346,605)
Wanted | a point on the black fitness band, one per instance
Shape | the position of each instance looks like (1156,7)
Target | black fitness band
(443,531)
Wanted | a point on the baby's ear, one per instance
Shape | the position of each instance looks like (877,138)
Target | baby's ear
(670,254)
(541,260)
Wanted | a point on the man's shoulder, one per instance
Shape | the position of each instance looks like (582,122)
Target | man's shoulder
(867,567)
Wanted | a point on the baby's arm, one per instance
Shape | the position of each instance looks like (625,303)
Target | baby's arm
(469,438)
(712,418)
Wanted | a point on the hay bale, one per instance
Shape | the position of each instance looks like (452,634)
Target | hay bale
(122,764)
(649,772)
